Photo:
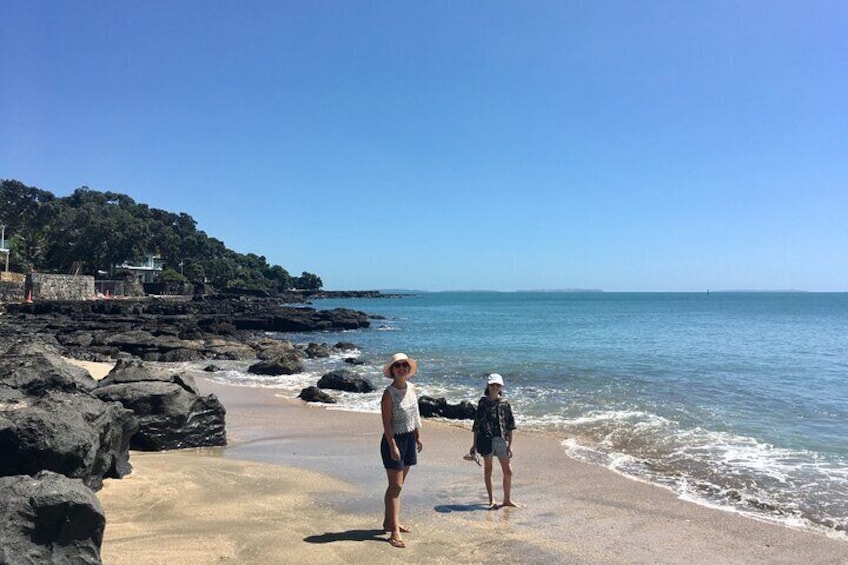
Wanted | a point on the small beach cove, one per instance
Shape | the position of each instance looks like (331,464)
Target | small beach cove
(301,482)
(291,488)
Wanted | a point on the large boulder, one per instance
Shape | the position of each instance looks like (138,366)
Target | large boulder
(50,421)
(317,350)
(170,410)
(49,518)
(36,368)
(342,379)
(439,407)
(76,435)
(267,348)
(289,363)
(315,394)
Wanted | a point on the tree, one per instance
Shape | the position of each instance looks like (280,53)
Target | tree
(308,281)
(100,230)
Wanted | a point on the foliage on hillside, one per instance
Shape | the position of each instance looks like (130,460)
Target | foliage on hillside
(91,232)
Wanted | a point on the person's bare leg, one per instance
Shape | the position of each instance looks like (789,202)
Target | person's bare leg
(506,467)
(391,520)
(401,527)
(487,478)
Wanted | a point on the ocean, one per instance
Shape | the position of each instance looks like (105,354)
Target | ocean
(732,400)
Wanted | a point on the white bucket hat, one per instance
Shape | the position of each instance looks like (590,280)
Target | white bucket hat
(494,379)
(397,357)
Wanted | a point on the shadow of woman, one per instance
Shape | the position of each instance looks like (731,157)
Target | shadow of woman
(349,535)
(446,508)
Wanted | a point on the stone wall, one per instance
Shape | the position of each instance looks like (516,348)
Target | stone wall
(12,291)
(60,287)
(12,277)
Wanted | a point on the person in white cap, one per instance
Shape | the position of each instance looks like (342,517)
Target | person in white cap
(492,431)
(401,440)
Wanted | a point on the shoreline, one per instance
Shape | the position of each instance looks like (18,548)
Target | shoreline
(290,487)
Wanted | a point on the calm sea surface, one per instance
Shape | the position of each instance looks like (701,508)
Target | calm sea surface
(736,400)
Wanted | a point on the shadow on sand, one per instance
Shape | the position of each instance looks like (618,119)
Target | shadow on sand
(445,508)
(349,535)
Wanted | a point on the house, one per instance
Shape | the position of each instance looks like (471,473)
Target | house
(146,271)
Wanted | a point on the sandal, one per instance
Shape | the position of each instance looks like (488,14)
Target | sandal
(403,529)
(472,457)
(395,542)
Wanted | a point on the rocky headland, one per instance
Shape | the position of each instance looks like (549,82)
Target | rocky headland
(167,329)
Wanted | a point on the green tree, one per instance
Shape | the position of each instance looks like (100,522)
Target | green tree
(308,281)
(103,229)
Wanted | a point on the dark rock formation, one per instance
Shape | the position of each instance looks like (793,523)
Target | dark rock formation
(49,518)
(170,411)
(73,434)
(267,348)
(315,394)
(50,421)
(287,364)
(343,379)
(35,368)
(317,350)
(206,327)
(430,407)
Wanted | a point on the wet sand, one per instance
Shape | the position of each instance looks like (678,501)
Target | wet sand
(304,484)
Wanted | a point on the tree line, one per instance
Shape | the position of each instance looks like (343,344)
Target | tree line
(92,232)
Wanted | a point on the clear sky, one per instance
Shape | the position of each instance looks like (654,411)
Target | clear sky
(628,145)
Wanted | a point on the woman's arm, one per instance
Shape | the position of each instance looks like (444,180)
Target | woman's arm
(386,412)
(474,427)
(417,433)
(510,425)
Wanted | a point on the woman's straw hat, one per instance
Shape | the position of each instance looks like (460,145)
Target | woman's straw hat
(413,364)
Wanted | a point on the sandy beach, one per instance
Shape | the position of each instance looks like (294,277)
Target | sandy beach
(301,483)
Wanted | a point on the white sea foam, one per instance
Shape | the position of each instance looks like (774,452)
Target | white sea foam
(717,469)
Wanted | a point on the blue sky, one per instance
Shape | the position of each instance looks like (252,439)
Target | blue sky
(628,145)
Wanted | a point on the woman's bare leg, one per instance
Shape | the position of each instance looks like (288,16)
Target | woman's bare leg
(506,467)
(391,520)
(487,478)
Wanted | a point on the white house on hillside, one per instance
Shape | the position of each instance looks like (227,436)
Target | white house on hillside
(146,271)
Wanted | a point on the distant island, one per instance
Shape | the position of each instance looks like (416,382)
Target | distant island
(573,290)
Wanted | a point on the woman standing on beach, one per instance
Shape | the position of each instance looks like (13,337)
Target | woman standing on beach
(492,431)
(401,437)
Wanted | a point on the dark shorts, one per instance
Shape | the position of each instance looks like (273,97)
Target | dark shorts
(492,446)
(408,451)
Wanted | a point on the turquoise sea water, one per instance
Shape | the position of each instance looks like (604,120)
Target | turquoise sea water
(737,400)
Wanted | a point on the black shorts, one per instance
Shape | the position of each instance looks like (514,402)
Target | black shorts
(408,448)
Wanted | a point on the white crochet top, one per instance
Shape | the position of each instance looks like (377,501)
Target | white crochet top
(405,415)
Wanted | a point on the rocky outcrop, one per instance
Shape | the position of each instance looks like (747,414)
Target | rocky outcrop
(49,420)
(317,350)
(170,411)
(35,368)
(315,394)
(342,379)
(174,329)
(439,407)
(286,364)
(49,518)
